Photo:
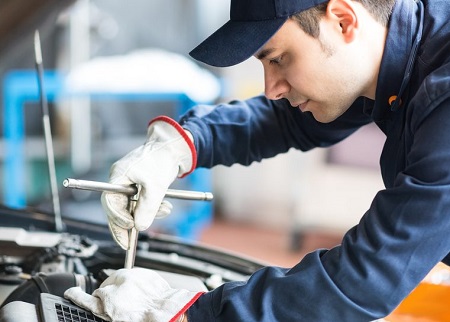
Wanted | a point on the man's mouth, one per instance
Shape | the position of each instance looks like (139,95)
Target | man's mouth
(301,105)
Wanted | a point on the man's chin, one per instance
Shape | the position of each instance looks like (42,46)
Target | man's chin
(323,118)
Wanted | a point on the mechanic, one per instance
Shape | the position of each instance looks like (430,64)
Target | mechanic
(330,67)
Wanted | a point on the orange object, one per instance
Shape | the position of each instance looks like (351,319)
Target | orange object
(429,302)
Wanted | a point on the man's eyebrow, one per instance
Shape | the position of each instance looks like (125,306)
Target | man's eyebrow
(264,53)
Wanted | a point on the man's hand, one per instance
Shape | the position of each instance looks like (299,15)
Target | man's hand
(168,152)
(135,295)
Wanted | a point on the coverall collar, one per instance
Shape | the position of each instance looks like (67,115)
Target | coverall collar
(403,39)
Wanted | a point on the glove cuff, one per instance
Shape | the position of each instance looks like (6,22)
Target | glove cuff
(186,307)
(183,134)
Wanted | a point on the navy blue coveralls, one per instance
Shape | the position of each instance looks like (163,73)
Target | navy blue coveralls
(406,230)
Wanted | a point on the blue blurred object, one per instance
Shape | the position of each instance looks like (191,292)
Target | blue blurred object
(21,87)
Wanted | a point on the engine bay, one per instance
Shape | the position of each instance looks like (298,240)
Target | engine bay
(36,260)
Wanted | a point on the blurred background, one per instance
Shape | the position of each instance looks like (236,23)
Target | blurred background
(112,66)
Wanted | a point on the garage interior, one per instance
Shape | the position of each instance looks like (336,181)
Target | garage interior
(272,211)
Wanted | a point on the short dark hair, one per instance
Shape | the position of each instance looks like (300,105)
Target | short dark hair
(309,19)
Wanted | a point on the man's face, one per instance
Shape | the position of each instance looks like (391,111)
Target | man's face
(323,76)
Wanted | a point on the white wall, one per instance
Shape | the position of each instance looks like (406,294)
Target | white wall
(296,190)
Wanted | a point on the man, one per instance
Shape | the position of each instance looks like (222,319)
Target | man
(330,67)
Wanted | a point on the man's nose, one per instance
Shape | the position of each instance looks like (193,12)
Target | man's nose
(275,86)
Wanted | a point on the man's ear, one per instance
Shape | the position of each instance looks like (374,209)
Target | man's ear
(343,14)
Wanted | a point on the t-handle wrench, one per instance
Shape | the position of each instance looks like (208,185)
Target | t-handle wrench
(133,191)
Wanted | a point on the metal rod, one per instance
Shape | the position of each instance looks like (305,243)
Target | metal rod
(47,133)
(130,255)
(133,233)
(132,190)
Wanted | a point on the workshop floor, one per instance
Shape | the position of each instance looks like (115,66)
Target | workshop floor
(264,244)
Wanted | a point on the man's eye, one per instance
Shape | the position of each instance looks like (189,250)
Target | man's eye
(276,60)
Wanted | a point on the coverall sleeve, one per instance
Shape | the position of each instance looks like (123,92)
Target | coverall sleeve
(247,131)
(401,237)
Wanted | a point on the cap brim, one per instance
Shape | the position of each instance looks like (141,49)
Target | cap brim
(235,42)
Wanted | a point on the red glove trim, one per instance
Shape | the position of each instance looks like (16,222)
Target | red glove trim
(186,307)
(180,130)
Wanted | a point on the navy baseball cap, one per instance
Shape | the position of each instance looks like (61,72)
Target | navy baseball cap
(252,23)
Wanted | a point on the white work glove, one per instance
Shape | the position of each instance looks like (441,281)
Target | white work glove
(135,295)
(167,153)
